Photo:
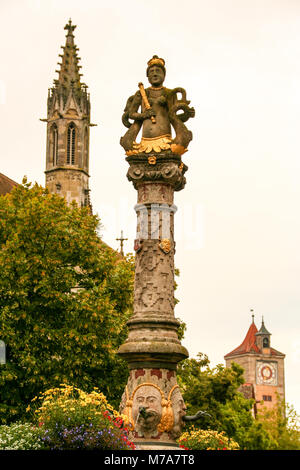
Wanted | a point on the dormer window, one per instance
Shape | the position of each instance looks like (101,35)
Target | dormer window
(71,144)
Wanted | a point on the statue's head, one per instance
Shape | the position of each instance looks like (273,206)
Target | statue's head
(156,71)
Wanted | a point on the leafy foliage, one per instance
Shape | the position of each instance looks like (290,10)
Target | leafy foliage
(238,422)
(65,298)
(283,424)
(216,392)
(205,388)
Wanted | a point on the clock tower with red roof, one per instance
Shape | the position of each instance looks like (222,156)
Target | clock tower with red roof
(263,366)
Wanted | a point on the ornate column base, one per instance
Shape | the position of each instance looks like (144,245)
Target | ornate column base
(154,406)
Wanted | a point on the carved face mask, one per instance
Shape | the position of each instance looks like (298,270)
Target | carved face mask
(179,410)
(147,409)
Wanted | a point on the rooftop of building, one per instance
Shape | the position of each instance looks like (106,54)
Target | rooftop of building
(6,184)
(249,345)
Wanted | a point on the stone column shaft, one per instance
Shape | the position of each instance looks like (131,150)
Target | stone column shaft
(152,348)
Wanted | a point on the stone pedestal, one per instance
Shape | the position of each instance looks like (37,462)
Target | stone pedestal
(152,400)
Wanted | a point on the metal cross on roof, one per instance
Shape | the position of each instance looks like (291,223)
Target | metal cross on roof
(70,27)
(121,240)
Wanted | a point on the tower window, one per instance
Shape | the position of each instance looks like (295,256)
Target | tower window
(71,144)
(54,144)
(267,398)
(266,343)
(86,148)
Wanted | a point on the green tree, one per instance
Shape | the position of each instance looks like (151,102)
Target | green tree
(283,424)
(65,297)
(205,388)
(239,423)
(215,390)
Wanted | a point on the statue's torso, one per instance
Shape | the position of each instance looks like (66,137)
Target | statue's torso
(162,125)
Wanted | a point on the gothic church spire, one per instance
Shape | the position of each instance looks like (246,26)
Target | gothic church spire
(69,66)
(68,128)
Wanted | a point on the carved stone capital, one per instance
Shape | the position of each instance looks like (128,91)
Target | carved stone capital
(167,168)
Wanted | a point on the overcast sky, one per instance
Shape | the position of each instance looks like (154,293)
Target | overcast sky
(237,227)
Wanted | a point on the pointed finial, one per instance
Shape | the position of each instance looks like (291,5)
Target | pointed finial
(263,330)
(70,27)
(251,310)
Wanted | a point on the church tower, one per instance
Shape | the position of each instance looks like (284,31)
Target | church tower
(68,129)
(263,366)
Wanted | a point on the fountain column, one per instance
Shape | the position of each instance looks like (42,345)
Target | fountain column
(152,401)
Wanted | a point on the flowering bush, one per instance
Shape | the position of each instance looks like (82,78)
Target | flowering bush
(198,439)
(73,419)
(20,436)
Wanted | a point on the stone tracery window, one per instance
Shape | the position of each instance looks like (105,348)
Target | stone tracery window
(54,144)
(85,148)
(71,144)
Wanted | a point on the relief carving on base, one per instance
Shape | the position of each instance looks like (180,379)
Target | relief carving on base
(149,411)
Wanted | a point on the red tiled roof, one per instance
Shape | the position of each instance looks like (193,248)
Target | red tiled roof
(248,345)
(6,184)
(274,352)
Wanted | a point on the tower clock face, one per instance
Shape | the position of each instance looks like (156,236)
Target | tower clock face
(266,373)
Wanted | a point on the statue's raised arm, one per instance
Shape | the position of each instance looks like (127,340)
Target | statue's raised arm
(157,110)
